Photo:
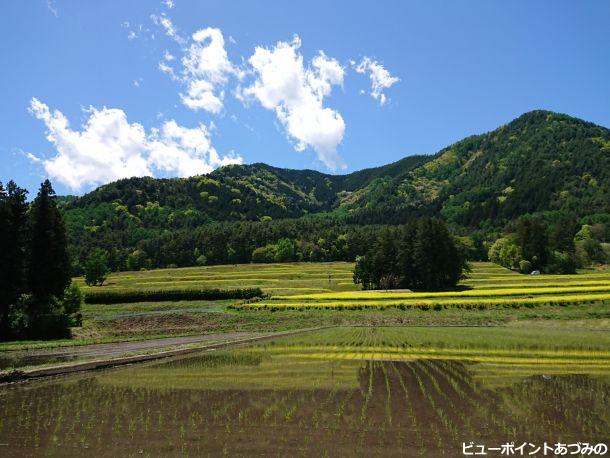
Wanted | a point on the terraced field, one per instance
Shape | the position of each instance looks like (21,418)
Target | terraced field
(360,391)
(488,285)
(281,278)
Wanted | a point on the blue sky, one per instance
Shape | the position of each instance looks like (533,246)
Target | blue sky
(286,83)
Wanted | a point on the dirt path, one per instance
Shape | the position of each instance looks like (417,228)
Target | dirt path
(120,353)
(19,358)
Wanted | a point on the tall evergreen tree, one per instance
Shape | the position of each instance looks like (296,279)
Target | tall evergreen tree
(438,261)
(49,268)
(385,261)
(533,241)
(406,262)
(423,255)
(13,239)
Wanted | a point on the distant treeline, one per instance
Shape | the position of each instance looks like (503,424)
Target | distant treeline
(304,239)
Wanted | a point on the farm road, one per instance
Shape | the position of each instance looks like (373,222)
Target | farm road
(108,350)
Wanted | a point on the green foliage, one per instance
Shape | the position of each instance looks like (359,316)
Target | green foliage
(49,266)
(589,251)
(284,250)
(532,240)
(264,254)
(549,165)
(13,242)
(505,252)
(525,267)
(542,161)
(201,260)
(137,260)
(421,255)
(72,303)
(35,265)
(561,263)
(96,268)
(119,297)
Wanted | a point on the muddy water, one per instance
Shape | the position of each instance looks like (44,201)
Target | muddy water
(259,402)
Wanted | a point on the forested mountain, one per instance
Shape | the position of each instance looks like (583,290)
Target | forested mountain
(234,192)
(542,162)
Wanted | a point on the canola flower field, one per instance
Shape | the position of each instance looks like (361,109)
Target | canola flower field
(488,285)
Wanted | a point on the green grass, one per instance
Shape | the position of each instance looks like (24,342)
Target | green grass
(281,278)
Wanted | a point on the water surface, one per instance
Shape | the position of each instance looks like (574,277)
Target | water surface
(297,400)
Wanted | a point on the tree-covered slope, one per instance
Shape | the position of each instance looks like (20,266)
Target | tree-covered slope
(235,192)
(542,161)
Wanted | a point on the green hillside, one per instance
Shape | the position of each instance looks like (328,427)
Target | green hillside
(541,163)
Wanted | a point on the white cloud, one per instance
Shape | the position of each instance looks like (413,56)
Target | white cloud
(30,157)
(185,151)
(168,26)
(137,82)
(200,95)
(168,56)
(168,3)
(108,148)
(206,70)
(296,94)
(379,75)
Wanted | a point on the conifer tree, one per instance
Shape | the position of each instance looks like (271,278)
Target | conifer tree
(49,266)
(438,261)
(13,239)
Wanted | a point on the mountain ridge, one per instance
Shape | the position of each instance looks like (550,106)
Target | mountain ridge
(541,163)
(412,185)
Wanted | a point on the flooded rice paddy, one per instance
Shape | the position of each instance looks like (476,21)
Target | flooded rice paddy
(338,392)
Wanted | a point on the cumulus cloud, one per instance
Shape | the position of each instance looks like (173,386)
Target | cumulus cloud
(296,93)
(168,3)
(185,151)
(380,77)
(108,148)
(206,70)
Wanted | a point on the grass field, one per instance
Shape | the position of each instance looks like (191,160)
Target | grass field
(283,278)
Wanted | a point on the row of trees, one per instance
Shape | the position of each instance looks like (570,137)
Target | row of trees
(312,239)
(558,248)
(421,255)
(36,298)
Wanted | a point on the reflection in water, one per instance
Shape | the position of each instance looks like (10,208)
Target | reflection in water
(248,403)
